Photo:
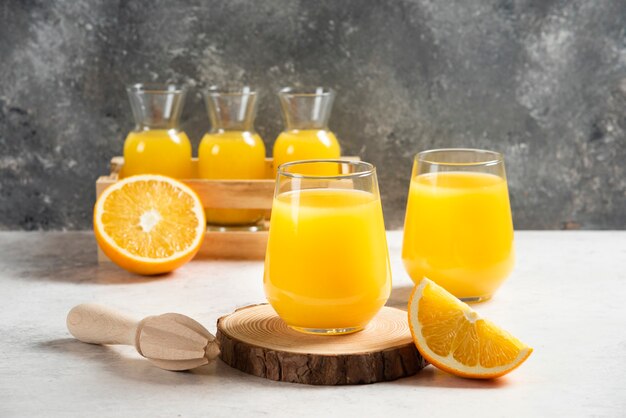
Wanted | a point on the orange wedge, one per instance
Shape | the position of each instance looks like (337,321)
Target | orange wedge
(453,338)
(149,224)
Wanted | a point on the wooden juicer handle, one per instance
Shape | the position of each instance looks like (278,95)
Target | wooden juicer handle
(97,324)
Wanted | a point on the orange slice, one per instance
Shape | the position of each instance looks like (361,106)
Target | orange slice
(149,224)
(452,337)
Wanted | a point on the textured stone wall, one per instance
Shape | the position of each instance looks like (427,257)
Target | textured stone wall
(542,81)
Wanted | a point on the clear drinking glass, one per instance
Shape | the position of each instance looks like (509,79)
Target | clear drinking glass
(232,149)
(157,145)
(327,266)
(306,136)
(458,229)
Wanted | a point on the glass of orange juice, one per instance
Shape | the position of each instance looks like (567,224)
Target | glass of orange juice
(327,267)
(157,145)
(458,230)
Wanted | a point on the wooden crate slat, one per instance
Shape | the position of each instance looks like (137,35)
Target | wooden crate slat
(102,183)
(234,194)
(240,245)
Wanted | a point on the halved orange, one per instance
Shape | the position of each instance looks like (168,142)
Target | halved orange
(149,224)
(452,337)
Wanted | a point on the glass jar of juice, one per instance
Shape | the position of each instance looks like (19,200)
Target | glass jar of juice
(231,149)
(157,145)
(306,135)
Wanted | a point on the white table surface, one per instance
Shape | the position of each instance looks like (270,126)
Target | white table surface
(566,298)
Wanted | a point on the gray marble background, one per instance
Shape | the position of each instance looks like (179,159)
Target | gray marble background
(542,81)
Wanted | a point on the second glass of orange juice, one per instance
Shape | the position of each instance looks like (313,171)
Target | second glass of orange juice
(458,230)
(327,267)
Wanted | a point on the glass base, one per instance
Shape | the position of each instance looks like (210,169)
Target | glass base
(327,331)
(475,299)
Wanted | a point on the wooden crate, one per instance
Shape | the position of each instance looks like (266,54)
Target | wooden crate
(230,194)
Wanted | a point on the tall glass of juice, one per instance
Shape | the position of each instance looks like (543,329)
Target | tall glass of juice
(327,266)
(231,149)
(458,230)
(306,136)
(157,145)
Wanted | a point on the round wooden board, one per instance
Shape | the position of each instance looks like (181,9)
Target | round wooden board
(256,341)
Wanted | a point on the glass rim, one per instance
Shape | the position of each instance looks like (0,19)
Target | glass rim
(497,158)
(228,90)
(368,171)
(306,91)
(157,88)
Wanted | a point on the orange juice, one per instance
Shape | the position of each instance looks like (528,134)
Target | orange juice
(327,264)
(157,151)
(306,144)
(231,155)
(458,232)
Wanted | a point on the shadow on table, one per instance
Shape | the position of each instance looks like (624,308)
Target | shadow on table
(62,257)
(129,365)
(432,377)
(94,273)
(399,297)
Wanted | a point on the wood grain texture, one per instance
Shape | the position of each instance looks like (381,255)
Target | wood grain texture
(234,194)
(241,245)
(170,341)
(97,324)
(234,245)
(256,341)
